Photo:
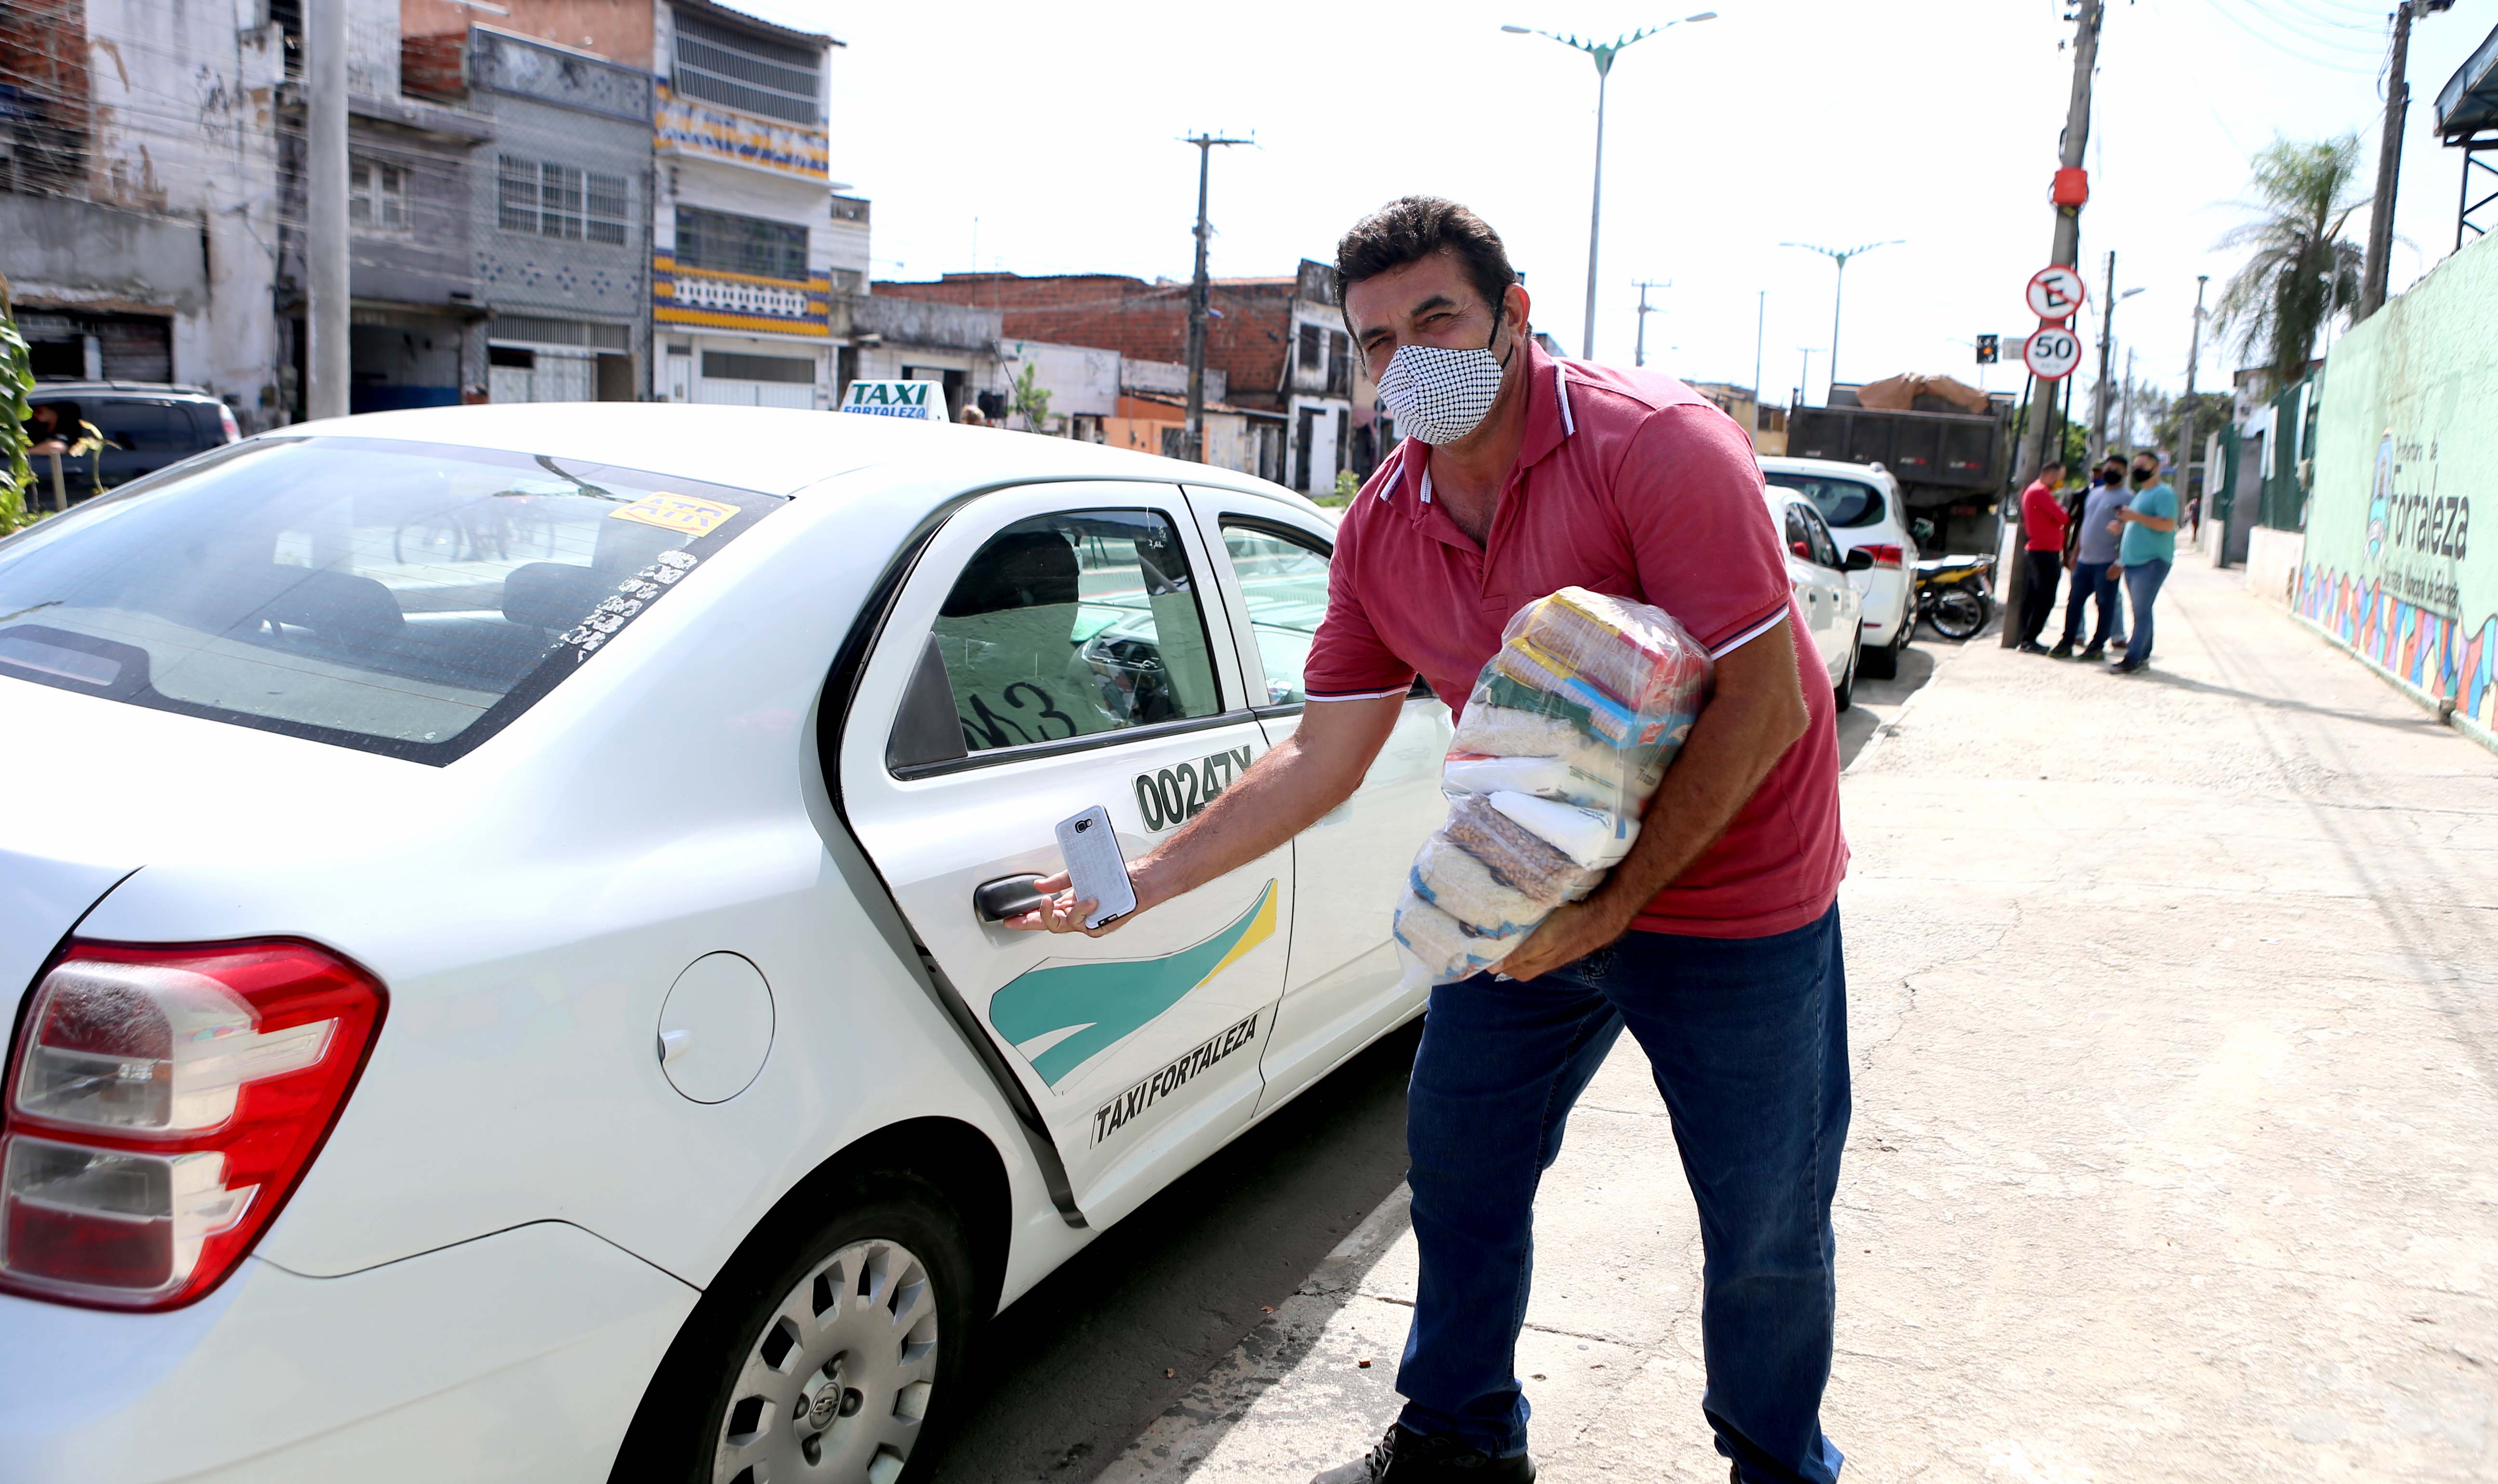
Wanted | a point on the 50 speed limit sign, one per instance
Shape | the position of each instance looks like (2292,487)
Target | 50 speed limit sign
(2052,353)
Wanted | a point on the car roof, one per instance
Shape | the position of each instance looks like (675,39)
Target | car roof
(777,450)
(159,389)
(1836,469)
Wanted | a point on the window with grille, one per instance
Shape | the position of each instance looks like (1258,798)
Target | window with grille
(376,196)
(726,242)
(1310,352)
(551,199)
(720,64)
(1339,362)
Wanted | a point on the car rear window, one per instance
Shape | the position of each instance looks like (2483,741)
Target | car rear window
(1844,502)
(403,599)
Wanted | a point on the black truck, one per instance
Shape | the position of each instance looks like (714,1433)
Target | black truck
(1953,465)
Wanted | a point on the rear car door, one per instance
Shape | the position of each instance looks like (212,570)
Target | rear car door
(1342,988)
(1812,589)
(1055,647)
(144,433)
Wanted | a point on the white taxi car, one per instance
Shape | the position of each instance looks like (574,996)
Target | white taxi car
(500,911)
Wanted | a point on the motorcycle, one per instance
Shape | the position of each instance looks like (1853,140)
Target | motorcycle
(1956,594)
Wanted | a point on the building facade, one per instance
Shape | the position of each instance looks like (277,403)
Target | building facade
(1286,364)
(745,245)
(139,201)
(561,218)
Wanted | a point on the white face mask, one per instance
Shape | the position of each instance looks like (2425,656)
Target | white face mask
(1438,392)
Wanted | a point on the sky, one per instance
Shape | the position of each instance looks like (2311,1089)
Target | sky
(1038,138)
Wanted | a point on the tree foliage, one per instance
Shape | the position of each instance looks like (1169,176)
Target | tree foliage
(1026,399)
(2302,272)
(17,380)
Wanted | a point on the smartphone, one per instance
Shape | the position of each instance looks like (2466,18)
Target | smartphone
(1095,866)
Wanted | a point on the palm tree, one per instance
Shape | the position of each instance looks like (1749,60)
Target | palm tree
(2302,273)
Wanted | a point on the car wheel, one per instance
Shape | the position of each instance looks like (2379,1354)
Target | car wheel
(832,1358)
(1843,695)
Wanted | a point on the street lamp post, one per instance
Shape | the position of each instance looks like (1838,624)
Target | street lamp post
(1602,54)
(1839,256)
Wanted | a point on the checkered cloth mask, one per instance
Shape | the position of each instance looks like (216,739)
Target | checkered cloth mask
(1439,393)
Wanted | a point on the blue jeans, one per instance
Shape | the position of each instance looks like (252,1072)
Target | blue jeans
(2091,578)
(1748,1039)
(2142,582)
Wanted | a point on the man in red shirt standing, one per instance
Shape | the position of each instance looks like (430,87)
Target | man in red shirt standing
(2042,549)
(1716,943)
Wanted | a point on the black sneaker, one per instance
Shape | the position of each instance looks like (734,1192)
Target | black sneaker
(2096,652)
(2125,667)
(1405,1457)
(2033,647)
(2063,651)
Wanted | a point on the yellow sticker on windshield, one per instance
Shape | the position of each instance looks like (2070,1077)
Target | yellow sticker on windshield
(676,513)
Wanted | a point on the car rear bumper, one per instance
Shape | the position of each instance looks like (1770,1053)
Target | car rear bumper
(516,1356)
(1886,606)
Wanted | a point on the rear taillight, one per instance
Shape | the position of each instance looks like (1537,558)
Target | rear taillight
(163,1104)
(225,417)
(1885,556)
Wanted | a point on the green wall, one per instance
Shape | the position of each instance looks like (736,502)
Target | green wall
(2401,557)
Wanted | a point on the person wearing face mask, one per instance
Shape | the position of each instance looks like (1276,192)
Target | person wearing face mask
(2145,551)
(1716,943)
(2094,561)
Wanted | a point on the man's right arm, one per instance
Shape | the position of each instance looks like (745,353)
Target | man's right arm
(1282,794)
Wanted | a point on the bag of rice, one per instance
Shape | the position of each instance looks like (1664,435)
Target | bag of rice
(1563,742)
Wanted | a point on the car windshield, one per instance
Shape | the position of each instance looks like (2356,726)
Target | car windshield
(403,598)
(1844,502)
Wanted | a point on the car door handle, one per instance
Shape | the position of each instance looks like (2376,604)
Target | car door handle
(1008,897)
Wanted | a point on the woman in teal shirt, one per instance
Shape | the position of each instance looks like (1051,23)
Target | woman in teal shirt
(2147,547)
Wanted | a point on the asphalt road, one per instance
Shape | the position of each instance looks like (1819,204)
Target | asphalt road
(1088,1360)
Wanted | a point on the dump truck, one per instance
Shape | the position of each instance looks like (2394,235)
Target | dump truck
(1949,445)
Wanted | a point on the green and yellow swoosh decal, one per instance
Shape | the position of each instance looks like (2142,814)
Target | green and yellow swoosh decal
(1105,1002)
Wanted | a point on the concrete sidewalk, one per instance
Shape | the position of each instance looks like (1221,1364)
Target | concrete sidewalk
(2175,1151)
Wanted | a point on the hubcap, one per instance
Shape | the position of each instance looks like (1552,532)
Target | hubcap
(835,1387)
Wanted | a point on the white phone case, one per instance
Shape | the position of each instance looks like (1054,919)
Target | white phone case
(1095,866)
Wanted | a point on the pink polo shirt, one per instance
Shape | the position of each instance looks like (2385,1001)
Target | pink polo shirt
(1629,483)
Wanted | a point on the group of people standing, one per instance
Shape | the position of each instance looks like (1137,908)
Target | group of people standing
(2105,533)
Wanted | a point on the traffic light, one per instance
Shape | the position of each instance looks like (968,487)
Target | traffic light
(1986,349)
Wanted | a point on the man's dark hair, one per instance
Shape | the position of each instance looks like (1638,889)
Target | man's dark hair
(1412,228)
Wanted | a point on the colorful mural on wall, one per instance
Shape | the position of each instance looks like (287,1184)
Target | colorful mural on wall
(2403,449)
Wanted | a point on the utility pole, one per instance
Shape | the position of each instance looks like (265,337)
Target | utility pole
(1197,301)
(325,209)
(2389,158)
(1760,324)
(2099,395)
(1639,353)
(2185,423)
(2127,428)
(2065,250)
(1805,386)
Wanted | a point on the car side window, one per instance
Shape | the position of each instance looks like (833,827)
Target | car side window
(1825,549)
(1068,625)
(1284,586)
(1799,540)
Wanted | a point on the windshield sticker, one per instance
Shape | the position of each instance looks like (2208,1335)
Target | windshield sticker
(676,513)
(1180,793)
(1123,1109)
(631,597)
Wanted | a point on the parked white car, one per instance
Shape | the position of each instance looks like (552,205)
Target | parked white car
(1834,612)
(1865,511)
(503,935)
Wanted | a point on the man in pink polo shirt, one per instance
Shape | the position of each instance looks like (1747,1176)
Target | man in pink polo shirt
(1716,943)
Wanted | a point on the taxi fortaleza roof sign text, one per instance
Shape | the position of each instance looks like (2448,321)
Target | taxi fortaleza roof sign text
(925,399)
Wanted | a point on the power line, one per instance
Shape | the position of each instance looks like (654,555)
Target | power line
(2232,19)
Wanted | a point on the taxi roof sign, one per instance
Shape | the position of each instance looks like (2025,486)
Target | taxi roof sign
(922,399)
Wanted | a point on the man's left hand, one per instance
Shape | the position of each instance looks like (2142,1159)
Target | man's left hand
(1573,931)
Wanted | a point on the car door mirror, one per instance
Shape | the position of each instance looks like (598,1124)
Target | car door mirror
(1859,561)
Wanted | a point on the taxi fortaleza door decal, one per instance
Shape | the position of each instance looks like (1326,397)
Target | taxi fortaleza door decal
(1059,1014)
